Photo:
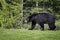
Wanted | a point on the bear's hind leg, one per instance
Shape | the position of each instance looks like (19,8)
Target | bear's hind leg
(52,26)
(42,26)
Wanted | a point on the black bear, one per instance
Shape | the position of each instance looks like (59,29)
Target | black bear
(41,19)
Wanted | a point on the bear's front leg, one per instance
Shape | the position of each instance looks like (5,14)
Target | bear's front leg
(32,26)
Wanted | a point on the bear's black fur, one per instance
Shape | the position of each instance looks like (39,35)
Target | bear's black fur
(41,19)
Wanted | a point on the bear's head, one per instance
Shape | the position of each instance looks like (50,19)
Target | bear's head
(28,19)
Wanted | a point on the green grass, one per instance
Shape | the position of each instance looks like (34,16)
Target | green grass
(22,34)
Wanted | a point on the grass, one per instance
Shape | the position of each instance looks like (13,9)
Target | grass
(22,34)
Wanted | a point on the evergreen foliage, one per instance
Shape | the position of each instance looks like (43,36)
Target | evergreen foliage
(10,10)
